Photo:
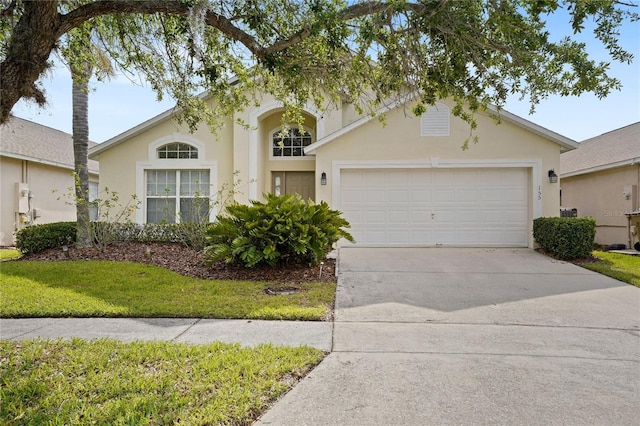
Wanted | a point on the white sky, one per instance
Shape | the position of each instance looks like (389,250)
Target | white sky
(116,106)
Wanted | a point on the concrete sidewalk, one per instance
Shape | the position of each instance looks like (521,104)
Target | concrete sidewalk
(245,332)
(472,336)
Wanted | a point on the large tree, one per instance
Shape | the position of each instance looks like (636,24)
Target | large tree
(476,52)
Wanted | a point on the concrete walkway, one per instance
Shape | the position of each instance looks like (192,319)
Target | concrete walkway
(245,332)
(473,336)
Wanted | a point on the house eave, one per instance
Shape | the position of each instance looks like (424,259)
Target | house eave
(311,149)
(42,161)
(134,131)
(602,167)
(166,115)
(566,144)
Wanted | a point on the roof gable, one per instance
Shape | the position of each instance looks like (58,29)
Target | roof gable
(24,139)
(612,149)
(565,143)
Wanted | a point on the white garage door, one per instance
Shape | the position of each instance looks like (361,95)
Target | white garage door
(456,207)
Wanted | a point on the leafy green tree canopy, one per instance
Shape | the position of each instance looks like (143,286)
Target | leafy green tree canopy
(369,53)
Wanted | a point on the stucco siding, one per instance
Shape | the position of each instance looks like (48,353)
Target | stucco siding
(400,140)
(600,195)
(125,163)
(50,194)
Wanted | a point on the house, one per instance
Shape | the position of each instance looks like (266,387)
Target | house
(406,183)
(36,172)
(601,179)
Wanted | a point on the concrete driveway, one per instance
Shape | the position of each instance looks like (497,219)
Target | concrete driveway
(473,336)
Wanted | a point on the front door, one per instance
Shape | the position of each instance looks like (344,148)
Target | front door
(302,183)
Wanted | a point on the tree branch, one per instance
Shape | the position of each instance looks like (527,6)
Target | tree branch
(352,12)
(149,7)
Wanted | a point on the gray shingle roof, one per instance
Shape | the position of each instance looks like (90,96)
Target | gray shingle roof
(605,151)
(21,138)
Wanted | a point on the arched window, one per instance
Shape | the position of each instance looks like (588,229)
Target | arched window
(177,150)
(290,143)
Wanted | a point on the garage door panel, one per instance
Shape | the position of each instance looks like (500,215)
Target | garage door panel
(398,216)
(399,196)
(444,195)
(375,196)
(481,207)
(419,195)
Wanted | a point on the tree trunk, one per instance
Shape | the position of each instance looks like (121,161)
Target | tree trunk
(80,99)
(32,40)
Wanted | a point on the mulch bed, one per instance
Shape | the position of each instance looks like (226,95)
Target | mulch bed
(188,262)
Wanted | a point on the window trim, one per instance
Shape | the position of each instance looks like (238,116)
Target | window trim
(192,150)
(154,163)
(292,158)
(177,197)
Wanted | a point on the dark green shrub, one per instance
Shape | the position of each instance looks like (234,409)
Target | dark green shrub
(36,238)
(565,237)
(284,229)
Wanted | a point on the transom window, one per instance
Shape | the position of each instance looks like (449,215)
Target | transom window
(177,150)
(291,143)
(177,196)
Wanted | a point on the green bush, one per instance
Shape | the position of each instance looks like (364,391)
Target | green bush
(284,229)
(190,234)
(565,237)
(36,238)
(33,239)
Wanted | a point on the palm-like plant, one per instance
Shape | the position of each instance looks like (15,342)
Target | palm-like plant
(84,59)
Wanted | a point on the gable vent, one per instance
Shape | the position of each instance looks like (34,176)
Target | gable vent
(436,121)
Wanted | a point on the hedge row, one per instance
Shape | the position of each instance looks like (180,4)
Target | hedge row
(36,238)
(565,237)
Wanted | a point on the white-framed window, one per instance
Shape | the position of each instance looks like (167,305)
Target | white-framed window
(175,183)
(289,144)
(177,196)
(93,196)
(436,120)
(177,150)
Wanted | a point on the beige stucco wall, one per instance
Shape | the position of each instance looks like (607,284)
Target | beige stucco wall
(252,162)
(246,150)
(600,195)
(400,141)
(121,164)
(50,195)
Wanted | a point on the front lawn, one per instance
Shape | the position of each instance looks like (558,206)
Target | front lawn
(6,254)
(121,289)
(106,382)
(619,266)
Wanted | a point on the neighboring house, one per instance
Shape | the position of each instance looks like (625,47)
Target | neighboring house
(36,172)
(406,183)
(601,179)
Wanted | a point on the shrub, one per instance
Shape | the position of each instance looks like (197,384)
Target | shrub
(284,229)
(36,238)
(565,237)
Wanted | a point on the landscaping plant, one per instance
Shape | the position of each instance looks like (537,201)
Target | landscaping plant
(284,229)
(566,238)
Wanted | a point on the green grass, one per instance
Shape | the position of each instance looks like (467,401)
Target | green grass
(106,382)
(120,289)
(6,254)
(619,266)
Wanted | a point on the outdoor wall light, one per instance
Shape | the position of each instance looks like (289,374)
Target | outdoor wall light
(323,178)
(553,177)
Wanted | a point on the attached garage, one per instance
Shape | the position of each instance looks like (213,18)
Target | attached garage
(478,207)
